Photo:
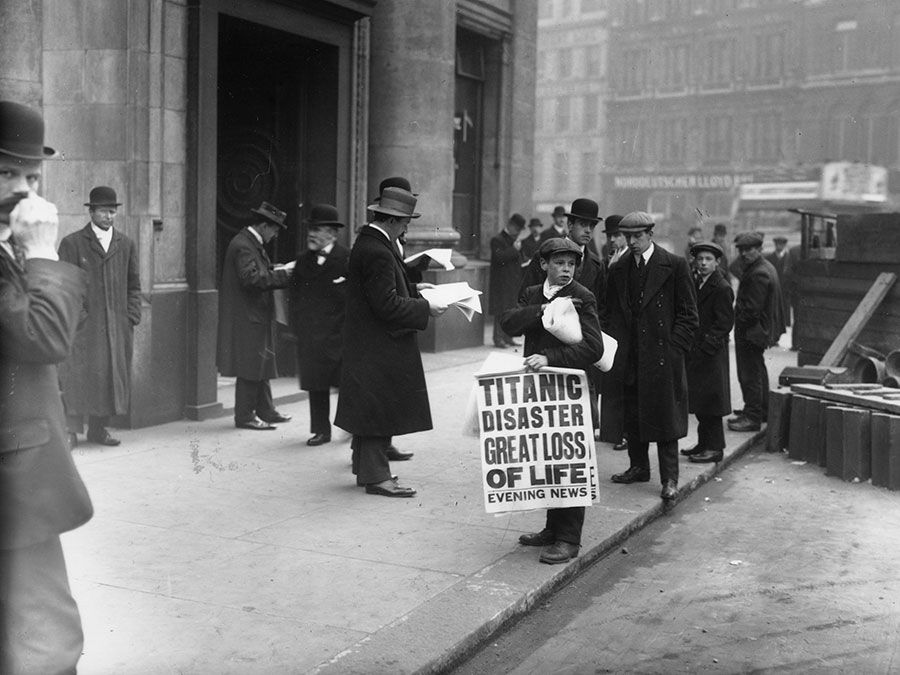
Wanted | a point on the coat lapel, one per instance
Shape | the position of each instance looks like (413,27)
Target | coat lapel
(660,270)
(620,270)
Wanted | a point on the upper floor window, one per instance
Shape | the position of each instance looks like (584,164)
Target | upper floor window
(673,146)
(717,138)
(718,64)
(767,59)
(564,66)
(593,61)
(591,112)
(765,136)
(562,114)
(592,6)
(633,72)
(675,68)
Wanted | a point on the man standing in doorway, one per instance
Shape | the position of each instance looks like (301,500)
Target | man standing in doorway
(96,378)
(506,274)
(653,315)
(246,346)
(383,392)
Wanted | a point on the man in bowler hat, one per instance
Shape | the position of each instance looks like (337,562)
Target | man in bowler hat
(246,344)
(653,315)
(559,224)
(41,493)
(383,392)
(96,378)
(318,294)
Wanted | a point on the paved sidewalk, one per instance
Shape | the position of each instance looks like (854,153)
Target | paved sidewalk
(217,550)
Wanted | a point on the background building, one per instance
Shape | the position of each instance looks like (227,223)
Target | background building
(196,110)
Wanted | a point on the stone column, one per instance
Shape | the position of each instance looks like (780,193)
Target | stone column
(413,51)
(21,51)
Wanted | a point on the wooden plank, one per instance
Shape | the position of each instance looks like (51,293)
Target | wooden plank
(858,319)
(867,400)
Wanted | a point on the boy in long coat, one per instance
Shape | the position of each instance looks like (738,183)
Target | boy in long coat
(653,315)
(246,331)
(96,378)
(318,294)
(506,274)
(559,258)
(709,377)
(383,392)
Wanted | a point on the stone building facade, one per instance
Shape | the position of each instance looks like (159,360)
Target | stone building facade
(196,110)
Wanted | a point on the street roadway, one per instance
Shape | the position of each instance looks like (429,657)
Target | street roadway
(772,567)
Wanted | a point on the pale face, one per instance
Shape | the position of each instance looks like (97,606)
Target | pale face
(705,262)
(581,231)
(319,237)
(750,254)
(616,241)
(18,177)
(638,242)
(103,216)
(559,221)
(560,268)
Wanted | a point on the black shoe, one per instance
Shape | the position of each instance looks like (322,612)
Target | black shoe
(633,475)
(254,423)
(389,488)
(542,538)
(744,424)
(738,414)
(559,552)
(275,418)
(669,490)
(73,440)
(696,450)
(319,439)
(395,455)
(621,445)
(707,456)
(102,437)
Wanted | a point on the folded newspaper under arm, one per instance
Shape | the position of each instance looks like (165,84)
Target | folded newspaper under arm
(458,294)
(610,345)
(439,255)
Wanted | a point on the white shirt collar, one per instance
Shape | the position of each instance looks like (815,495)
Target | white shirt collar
(376,227)
(646,254)
(551,291)
(256,235)
(103,236)
(325,250)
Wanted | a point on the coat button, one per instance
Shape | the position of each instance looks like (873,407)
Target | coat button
(661,362)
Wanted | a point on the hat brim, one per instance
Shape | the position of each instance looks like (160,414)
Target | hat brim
(322,223)
(46,153)
(581,217)
(377,208)
(706,247)
(266,216)
(94,204)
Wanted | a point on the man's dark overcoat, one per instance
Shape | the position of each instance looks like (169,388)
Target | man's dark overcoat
(246,336)
(708,362)
(382,391)
(758,309)
(665,329)
(780,264)
(318,295)
(96,378)
(41,493)
(591,274)
(506,273)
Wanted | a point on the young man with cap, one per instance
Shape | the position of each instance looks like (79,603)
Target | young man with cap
(653,315)
(533,241)
(506,274)
(559,258)
(41,493)
(318,294)
(708,367)
(96,378)
(558,227)
(246,345)
(758,323)
(383,391)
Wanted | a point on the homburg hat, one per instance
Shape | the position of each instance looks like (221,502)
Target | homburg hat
(585,209)
(748,240)
(517,220)
(560,245)
(102,196)
(636,221)
(22,132)
(709,246)
(271,213)
(397,202)
(323,215)
(535,222)
(611,224)
(559,211)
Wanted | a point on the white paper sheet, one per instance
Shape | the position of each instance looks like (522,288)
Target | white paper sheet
(439,255)
(458,294)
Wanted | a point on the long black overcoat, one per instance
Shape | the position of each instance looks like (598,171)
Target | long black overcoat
(758,309)
(96,378)
(41,493)
(246,333)
(382,390)
(665,328)
(708,362)
(506,273)
(318,295)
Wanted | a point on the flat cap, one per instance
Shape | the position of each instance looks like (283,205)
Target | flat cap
(559,245)
(709,246)
(748,240)
(636,221)
(780,238)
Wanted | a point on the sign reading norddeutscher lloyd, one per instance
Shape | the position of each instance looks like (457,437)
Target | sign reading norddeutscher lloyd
(536,440)
(681,181)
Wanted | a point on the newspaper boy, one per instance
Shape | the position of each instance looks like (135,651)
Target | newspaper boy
(561,535)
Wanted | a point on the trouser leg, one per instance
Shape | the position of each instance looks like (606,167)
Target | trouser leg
(265,406)
(96,424)
(245,395)
(638,451)
(710,432)
(320,412)
(370,462)
(566,524)
(667,451)
(751,369)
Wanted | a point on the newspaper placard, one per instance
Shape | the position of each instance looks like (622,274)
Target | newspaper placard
(536,440)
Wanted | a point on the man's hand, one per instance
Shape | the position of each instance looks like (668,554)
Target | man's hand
(536,362)
(424,284)
(517,244)
(35,224)
(436,309)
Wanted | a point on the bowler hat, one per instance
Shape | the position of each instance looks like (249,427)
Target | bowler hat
(102,196)
(559,245)
(394,181)
(322,215)
(559,211)
(611,224)
(22,132)
(397,202)
(517,220)
(271,213)
(720,228)
(709,246)
(636,221)
(748,240)
(535,222)
(585,209)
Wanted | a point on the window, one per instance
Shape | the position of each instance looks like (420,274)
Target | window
(564,58)
(591,105)
(593,62)
(717,137)
(562,113)
(718,67)
(674,140)
(592,6)
(560,174)
(767,62)
(675,68)
(765,136)
(634,71)
(588,172)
